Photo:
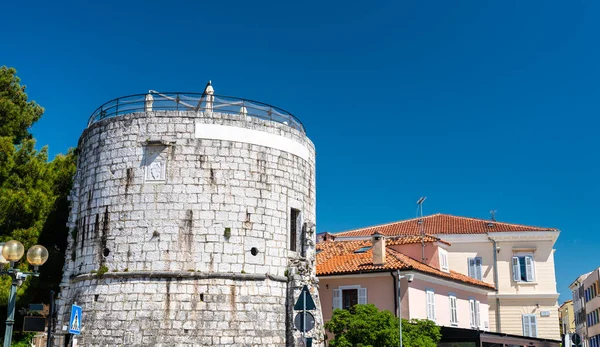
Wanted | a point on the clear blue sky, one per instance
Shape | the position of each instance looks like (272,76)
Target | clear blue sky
(477,105)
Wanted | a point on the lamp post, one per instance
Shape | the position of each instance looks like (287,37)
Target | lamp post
(12,252)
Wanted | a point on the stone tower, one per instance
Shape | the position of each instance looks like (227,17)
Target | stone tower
(192,224)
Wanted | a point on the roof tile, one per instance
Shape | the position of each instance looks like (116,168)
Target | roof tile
(440,224)
(338,257)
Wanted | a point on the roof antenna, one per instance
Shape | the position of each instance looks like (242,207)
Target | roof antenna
(493,215)
(420,208)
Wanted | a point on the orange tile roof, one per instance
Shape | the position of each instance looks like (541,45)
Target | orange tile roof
(338,257)
(440,224)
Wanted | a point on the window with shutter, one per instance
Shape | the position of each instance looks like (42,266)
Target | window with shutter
(362,296)
(523,267)
(337,298)
(477,315)
(430,304)
(529,325)
(585,293)
(453,313)
(443,255)
(472,319)
(475,265)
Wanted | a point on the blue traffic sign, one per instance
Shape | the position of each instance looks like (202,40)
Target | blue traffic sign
(305,300)
(75,321)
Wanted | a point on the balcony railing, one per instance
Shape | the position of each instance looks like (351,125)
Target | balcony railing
(156,101)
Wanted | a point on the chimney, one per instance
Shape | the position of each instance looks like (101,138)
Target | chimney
(378,241)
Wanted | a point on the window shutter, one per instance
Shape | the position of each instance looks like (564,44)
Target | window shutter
(430,305)
(585,295)
(478,268)
(337,298)
(472,313)
(453,313)
(362,296)
(471,267)
(529,268)
(533,325)
(525,325)
(516,269)
(477,315)
(433,305)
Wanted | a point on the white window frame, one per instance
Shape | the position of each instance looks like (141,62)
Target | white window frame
(453,309)
(529,328)
(443,256)
(475,271)
(338,294)
(430,303)
(529,268)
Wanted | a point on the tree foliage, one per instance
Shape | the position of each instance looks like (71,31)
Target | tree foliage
(16,112)
(366,326)
(33,191)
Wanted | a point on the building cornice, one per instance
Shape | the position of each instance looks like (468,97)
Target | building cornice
(501,236)
(523,296)
(524,235)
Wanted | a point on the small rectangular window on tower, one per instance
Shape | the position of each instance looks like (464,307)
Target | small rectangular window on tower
(295,226)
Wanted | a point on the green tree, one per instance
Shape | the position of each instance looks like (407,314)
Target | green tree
(366,326)
(33,193)
(17,114)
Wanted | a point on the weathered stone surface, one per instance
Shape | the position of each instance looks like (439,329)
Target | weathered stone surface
(175,220)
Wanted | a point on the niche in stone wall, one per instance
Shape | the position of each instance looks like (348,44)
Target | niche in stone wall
(155,162)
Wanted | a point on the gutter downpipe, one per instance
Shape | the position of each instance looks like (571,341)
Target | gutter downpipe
(399,308)
(395,292)
(496,284)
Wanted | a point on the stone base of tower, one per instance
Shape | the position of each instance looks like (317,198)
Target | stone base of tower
(125,309)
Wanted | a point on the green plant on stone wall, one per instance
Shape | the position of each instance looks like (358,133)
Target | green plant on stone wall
(102,270)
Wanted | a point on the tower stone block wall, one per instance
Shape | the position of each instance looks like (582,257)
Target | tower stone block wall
(190,228)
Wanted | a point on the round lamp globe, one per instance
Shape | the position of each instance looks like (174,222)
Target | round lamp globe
(37,255)
(13,250)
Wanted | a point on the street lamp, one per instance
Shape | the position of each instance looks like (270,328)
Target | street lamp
(409,278)
(12,252)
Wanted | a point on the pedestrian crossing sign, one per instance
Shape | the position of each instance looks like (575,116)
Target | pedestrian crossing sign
(75,321)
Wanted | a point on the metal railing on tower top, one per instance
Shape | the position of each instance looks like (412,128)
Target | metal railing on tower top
(175,101)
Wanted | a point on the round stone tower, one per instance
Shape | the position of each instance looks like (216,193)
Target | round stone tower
(192,224)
